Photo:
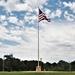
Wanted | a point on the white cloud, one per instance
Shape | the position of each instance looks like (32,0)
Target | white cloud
(3,20)
(30,19)
(69,17)
(23,7)
(51,37)
(26,44)
(10,5)
(16,32)
(0,43)
(47,11)
(35,3)
(4,23)
(57,13)
(2,2)
(2,17)
(15,5)
(13,36)
(54,40)
(3,30)
(21,23)
(71,5)
(13,19)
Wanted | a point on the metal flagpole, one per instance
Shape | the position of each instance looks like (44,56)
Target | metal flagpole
(38,40)
(38,68)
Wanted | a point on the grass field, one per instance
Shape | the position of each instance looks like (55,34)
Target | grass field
(37,73)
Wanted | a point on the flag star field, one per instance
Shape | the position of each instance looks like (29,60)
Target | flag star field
(19,29)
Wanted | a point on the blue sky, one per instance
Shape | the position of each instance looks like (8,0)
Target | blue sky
(18,29)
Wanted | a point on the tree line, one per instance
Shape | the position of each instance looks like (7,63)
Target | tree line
(11,63)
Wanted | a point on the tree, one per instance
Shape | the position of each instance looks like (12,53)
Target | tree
(63,66)
(1,64)
(54,66)
(8,62)
(73,66)
(47,66)
(14,64)
(31,65)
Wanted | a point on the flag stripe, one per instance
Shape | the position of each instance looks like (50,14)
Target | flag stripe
(42,16)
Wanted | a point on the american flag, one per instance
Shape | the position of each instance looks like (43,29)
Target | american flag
(42,16)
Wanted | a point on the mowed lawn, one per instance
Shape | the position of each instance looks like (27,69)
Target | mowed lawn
(38,73)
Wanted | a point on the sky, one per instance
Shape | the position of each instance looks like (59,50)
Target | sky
(19,29)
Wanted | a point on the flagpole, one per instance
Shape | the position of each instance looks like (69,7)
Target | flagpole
(38,67)
(38,39)
(41,16)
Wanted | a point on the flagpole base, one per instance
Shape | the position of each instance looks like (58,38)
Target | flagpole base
(38,68)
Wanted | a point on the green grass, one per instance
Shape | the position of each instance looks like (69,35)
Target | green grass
(38,73)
